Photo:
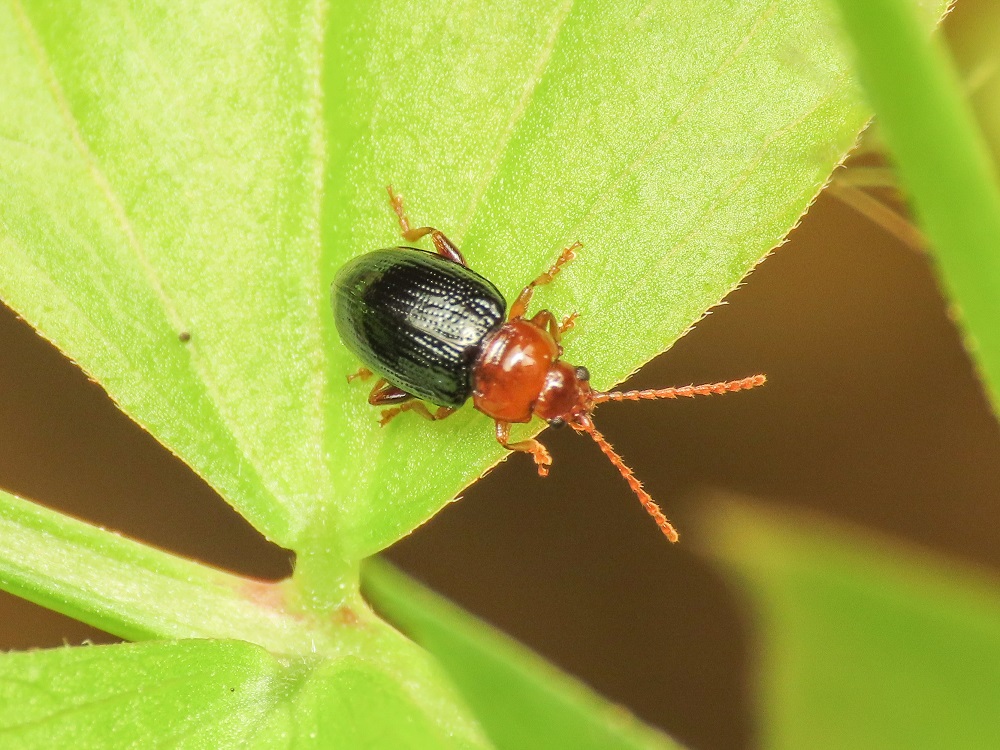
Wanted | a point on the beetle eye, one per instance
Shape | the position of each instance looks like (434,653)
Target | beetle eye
(557,423)
(582,373)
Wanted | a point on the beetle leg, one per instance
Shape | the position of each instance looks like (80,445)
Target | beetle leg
(445,246)
(545,320)
(384,394)
(442,412)
(389,414)
(363,373)
(520,305)
(442,244)
(538,452)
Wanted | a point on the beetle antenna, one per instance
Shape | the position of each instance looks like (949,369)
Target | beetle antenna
(585,425)
(684,391)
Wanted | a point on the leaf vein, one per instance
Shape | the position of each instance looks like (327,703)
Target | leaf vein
(121,216)
(507,135)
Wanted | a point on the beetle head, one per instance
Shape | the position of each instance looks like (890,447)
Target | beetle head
(566,395)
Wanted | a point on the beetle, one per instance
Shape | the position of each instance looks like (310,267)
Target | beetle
(436,331)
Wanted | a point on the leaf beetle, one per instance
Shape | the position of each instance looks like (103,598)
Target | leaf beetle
(436,331)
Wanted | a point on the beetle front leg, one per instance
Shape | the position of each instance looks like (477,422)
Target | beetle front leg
(545,320)
(568,322)
(442,244)
(520,306)
(538,452)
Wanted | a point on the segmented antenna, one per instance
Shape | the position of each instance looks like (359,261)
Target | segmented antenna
(684,391)
(647,502)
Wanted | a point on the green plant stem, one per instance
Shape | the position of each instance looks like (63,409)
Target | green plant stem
(136,592)
(322,580)
(942,159)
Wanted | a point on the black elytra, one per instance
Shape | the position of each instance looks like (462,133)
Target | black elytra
(418,319)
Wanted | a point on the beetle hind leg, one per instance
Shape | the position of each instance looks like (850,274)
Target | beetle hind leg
(537,451)
(442,412)
(445,247)
(384,394)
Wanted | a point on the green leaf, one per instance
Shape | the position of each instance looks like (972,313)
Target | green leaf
(160,176)
(204,168)
(863,643)
(179,183)
(213,694)
(679,141)
(328,676)
(942,158)
(137,592)
(521,701)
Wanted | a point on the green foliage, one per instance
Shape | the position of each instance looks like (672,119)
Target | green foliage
(213,178)
(307,678)
(209,694)
(942,158)
(179,183)
(679,142)
(155,181)
(863,644)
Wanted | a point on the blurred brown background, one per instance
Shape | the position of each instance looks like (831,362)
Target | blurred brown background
(872,414)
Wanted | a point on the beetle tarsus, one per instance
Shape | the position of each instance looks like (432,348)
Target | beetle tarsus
(362,374)
(396,201)
(537,451)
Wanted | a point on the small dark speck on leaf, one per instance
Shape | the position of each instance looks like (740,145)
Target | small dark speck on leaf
(184,336)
